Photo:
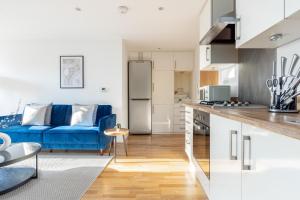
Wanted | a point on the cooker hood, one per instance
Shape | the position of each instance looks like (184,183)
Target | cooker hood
(222,31)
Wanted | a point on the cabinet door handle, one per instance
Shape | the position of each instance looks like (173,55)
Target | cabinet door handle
(152,109)
(233,145)
(246,162)
(152,87)
(187,122)
(238,29)
(175,64)
(206,53)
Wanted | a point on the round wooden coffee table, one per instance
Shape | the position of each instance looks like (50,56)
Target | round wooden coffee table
(114,132)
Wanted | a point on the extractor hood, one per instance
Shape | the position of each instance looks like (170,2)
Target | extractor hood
(223,19)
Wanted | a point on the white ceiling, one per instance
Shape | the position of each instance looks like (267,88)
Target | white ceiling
(143,27)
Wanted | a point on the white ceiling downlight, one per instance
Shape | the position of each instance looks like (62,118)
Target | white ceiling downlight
(123,9)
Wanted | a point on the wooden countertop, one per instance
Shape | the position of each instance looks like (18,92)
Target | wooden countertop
(275,122)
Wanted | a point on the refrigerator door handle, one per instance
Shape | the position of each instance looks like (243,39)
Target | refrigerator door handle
(140,99)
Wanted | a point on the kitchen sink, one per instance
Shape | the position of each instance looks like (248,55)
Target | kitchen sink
(292,120)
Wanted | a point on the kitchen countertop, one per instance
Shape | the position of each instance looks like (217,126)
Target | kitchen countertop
(258,117)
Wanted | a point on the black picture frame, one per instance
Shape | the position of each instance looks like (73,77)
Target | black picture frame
(77,81)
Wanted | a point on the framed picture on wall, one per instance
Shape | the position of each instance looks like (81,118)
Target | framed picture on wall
(71,72)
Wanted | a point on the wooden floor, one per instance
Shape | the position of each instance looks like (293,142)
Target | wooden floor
(156,168)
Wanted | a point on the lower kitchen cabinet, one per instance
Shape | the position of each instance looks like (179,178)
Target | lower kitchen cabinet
(162,118)
(271,165)
(189,112)
(225,159)
(250,163)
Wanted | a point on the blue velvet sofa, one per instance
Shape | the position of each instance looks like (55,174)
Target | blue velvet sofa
(60,135)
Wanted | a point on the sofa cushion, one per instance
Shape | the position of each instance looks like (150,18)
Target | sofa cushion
(102,111)
(72,135)
(61,115)
(26,133)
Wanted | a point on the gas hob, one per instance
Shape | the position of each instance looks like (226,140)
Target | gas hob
(232,104)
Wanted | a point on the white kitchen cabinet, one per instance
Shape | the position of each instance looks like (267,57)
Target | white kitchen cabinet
(184,61)
(272,165)
(205,56)
(225,155)
(163,60)
(255,17)
(205,18)
(189,112)
(163,87)
(162,118)
(291,6)
(134,55)
(179,118)
(217,54)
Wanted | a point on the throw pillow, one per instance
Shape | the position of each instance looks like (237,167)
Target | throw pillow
(34,115)
(83,115)
(48,112)
(95,111)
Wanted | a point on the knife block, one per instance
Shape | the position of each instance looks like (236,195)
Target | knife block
(281,108)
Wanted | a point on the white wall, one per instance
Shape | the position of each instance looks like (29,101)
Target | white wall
(229,75)
(29,70)
(288,51)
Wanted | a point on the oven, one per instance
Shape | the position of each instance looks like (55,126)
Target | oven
(201,141)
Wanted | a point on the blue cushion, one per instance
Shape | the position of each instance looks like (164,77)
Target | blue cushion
(61,115)
(72,135)
(102,111)
(26,133)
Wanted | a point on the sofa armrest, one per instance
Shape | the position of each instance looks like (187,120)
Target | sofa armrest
(10,120)
(107,122)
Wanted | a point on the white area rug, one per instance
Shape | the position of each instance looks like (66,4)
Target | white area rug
(62,176)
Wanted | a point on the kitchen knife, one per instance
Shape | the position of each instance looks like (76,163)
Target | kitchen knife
(274,70)
(283,65)
(293,64)
(290,99)
(291,69)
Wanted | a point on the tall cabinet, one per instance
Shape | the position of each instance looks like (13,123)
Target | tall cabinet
(163,92)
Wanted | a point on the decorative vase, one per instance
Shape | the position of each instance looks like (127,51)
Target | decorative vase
(6,141)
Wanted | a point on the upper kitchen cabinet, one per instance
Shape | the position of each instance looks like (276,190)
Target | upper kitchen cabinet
(217,22)
(253,18)
(184,61)
(267,24)
(212,56)
(134,55)
(291,6)
(163,60)
(205,18)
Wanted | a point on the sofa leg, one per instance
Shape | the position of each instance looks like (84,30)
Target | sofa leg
(101,152)
(51,150)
